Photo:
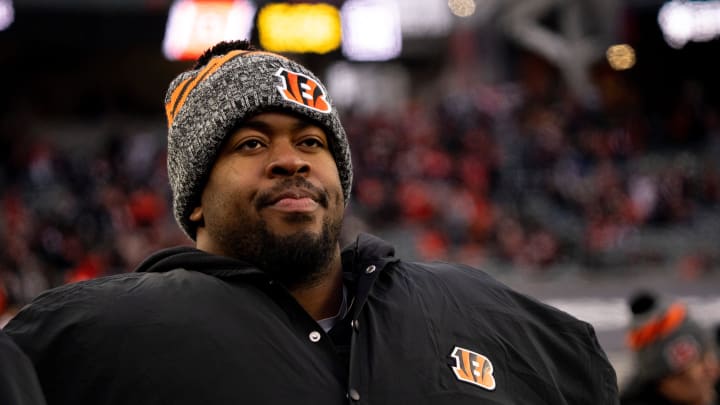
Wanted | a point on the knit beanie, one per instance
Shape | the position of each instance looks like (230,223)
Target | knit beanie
(663,337)
(205,104)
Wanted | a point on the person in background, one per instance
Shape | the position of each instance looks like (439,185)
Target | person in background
(267,308)
(675,359)
(18,382)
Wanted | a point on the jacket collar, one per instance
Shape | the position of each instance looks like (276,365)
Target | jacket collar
(367,250)
(357,258)
(190,258)
(363,262)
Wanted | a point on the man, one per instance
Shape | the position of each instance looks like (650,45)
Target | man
(675,361)
(267,309)
(18,382)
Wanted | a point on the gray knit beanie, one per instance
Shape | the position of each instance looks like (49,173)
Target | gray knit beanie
(663,336)
(205,104)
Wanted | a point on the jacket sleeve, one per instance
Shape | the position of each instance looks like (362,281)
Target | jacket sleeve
(18,382)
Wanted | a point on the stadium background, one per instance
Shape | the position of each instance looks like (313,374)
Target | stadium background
(531,159)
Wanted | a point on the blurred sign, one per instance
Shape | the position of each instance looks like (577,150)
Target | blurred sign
(299,28)
(195,25)
(98,4)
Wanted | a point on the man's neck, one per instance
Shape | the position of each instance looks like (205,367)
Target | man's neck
(323,298)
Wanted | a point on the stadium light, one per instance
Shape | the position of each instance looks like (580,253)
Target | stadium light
(462,8)
(195,25)
(371,30)
(685,21)
(7,14)
(620,56)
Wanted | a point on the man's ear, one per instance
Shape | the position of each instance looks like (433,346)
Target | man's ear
(197,215)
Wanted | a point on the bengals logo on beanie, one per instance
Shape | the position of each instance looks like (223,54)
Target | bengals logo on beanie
(304,90)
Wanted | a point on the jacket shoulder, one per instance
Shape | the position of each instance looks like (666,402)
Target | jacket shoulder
(101,290)
(57,312)
(480,290)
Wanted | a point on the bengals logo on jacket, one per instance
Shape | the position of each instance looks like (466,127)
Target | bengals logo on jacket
(473,368)
(301,89)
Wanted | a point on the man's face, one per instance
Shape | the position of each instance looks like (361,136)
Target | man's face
(695,385)
(273,198)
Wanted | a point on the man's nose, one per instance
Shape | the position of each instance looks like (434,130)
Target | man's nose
(286,160)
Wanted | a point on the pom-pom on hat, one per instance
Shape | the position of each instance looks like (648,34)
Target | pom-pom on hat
(663,336)
(232,82)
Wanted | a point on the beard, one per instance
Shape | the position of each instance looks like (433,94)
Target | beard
(297,260)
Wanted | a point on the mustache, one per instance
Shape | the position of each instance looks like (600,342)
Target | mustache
(267,197)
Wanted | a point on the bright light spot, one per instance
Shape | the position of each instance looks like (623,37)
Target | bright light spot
(7,14)
(299,28)
(683,21)
(196,25)
(371,30)
(621,57)
(462,8)
(424,18)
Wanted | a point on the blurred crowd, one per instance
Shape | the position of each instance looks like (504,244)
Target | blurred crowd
(518,174)
(527,175)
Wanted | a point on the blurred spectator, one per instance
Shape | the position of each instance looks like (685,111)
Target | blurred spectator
(675,358)
(70,215)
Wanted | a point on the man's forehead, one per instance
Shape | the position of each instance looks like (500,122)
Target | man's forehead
(270,120)
(278,116)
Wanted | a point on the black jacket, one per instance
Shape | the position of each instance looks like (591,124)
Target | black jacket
(191,328)
(18,382)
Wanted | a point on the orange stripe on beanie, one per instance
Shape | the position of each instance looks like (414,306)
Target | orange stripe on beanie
(661,325)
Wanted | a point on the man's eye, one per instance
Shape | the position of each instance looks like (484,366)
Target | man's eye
(250,144)
(312,142)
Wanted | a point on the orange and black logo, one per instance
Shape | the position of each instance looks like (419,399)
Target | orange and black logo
(473,368)
(682,351)
(301,89)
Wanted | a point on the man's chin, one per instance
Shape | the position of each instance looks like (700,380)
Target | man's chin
(294,234)
(294,223)
(294,250)
(297,257)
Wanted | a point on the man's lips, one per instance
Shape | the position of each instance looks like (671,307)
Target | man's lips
(293,194)
(292,200)
(288,204)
